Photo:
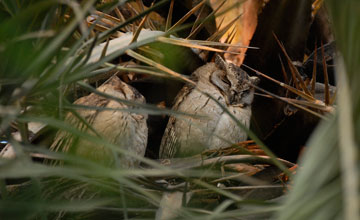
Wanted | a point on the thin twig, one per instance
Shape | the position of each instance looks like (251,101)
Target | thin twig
(169,17)
(326,77)
(293,68)
(313,79)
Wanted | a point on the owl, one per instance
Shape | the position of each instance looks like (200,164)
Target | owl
(214,128)
(112,120)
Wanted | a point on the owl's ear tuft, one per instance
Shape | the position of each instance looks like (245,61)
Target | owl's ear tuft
(254,80)
(220,62)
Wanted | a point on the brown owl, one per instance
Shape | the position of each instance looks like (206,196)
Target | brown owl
(124,129)
(228,84)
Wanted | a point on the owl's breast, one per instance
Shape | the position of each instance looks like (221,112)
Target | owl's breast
(227,130)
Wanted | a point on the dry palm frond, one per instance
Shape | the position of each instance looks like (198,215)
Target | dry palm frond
(246,147)
(138,30)
(103,52)
(111,20)
(185,17)
(296,75)
(136,69)
(326,77)
(169,17)
(313,79)
(119,14)
(310,93)
(283,71)
(187,43)
(198,19)
(231,36)
(242,176)
(290,102)
(290,88)
(159,66)
(196,29)
(217,35)
(103,22)
(214,43)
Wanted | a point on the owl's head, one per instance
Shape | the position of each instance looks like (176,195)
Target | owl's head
(239,89)
(119,89)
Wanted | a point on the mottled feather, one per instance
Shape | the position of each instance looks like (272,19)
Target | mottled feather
(124,129)
(226,83)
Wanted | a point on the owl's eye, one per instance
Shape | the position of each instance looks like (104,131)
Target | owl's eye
(245,92)
(225,80)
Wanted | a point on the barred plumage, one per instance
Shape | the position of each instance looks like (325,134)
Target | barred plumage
(226,83)
(125,129)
